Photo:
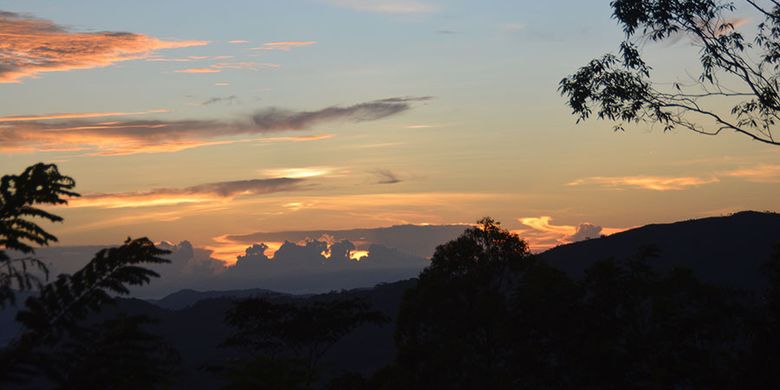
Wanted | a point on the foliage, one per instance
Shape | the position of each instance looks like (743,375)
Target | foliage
(299,334)
(57,344)
(735,71)
(63,302)
(40,184)
(472,324)
(265,373)
(113,354)
(453,325)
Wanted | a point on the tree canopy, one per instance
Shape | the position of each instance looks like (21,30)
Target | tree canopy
(57,343)
(737,70)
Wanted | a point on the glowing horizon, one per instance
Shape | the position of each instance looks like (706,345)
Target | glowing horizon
(358,115)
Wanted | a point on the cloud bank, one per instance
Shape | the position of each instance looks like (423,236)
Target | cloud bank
(122,137)
(30,46)
(655,183)
(202,193)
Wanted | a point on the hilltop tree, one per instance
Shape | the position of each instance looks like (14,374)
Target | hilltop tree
(453,326)
(735,71)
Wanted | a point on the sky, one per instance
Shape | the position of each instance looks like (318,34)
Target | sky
(206,121)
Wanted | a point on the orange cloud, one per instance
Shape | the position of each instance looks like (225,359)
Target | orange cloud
(541,234)
(30,46)
(227,249)
(298,173)
(765,173)
(203,193)
(655,183)
(75,115)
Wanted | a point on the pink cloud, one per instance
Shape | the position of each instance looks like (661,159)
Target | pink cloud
(30,46)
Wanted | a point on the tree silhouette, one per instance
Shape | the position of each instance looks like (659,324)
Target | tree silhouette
(486,314)
(113,354)
(40,184)
(453,326)
(54,319)
(294,336)
(735,71)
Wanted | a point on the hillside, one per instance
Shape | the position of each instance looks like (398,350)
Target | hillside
(728,250)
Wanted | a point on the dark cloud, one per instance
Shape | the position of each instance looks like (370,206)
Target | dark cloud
(227,99)
(281,119)
(249,187)
(387,177)
(199,193)
(147,136)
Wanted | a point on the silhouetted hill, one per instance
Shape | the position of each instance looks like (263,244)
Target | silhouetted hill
(185,298)
(728,250)
(197,330)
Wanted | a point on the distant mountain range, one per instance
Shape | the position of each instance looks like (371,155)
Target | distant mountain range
(728,250)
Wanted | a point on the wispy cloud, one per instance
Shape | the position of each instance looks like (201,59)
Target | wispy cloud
(764,173)
(74,115)
(219,67)
(187,59)
(30,46)
(204,193)
(654,183)
(280,119)
(122,137)
(298,173)
(238,42)
(215,100)
(386,176)
(393,7)
(284,46)
(512,27)
(199,70)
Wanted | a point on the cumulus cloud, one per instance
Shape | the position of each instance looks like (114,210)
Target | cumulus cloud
(30,46)
(202,193)
(415,240)
(654,183)
(542,234)
(121,137)
(585,231)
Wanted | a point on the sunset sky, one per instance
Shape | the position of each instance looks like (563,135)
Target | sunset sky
(199,120)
